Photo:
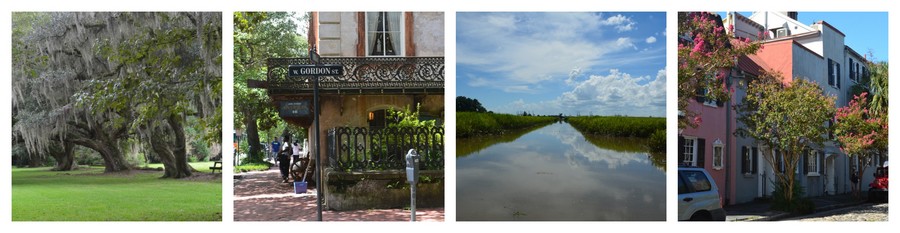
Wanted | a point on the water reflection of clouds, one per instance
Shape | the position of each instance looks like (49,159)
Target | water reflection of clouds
(581,147)
(530,177)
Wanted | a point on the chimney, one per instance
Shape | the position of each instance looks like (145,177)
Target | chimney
(791,14)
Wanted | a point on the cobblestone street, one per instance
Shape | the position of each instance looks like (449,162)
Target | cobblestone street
(867,212)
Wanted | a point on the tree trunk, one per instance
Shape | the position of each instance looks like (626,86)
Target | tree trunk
(256,153)
(168,143)
(113,159)
(65,159)
(103,140)
(179,148)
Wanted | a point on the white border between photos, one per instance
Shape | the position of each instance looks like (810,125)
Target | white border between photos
(450,7)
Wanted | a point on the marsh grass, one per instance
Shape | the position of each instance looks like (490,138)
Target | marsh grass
(470,124)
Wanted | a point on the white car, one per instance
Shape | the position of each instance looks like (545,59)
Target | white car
(698,196)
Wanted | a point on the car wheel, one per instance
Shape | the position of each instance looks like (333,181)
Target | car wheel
(701,216)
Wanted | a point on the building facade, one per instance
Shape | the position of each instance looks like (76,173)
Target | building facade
(390,61)
(815,52)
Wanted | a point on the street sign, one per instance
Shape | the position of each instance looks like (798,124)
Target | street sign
(293,108)
(315,70)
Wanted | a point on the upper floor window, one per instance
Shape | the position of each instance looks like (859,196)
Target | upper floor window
(384,33)
(834,73)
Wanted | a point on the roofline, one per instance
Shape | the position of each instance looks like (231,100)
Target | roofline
(796,36)
(748,20)
(784,40)
(855,53)
(832,27)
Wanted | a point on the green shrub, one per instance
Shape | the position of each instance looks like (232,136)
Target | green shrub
(798,204)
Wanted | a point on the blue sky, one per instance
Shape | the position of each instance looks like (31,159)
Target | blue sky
(865,30)
(571,63)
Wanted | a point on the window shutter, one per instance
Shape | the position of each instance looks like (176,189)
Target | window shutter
(701,151)
(830,72)
(755,162)
(680,149)
(804,161)
(779,161)
(744,158)
(852,75)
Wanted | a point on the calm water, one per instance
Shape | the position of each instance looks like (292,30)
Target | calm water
(555,173)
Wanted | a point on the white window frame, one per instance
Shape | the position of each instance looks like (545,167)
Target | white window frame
(692,142)
(718,155)
(401,52)
(812,167)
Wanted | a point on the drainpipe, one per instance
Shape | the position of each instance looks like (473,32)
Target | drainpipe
(728,142)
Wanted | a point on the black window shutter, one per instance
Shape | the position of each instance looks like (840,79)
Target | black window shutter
(754,162)
(777,157)
(804,161)
(830,72)
(744,158)
(852,75)
(701,151)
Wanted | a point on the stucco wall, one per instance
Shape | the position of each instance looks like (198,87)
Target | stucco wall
(429,34)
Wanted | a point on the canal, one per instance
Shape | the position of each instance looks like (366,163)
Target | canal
(554,173)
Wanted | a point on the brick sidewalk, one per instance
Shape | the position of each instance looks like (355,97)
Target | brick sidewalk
(260,196)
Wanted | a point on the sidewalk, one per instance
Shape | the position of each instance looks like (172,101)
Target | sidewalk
(760,210)
(260,196)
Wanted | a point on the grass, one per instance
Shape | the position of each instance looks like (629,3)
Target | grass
(88,194)
(473,124)
(619,126)
(199,166)
(252,167)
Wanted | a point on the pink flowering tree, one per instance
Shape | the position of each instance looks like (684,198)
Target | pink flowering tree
(861,133)
(706,53)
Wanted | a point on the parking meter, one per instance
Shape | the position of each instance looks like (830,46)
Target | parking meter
(412,176)
(412,166)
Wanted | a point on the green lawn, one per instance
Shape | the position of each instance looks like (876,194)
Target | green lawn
(88,194)
(199,166)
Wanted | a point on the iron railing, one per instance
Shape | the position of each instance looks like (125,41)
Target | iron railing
(362,75)
(358,148)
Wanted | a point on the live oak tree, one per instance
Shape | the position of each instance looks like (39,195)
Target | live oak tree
(257,37)
(706,53)
(110,76)
(787,118)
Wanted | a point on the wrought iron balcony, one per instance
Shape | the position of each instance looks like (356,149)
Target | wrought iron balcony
(362,75)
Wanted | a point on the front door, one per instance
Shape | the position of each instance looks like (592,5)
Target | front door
(829,174)
(766,175)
